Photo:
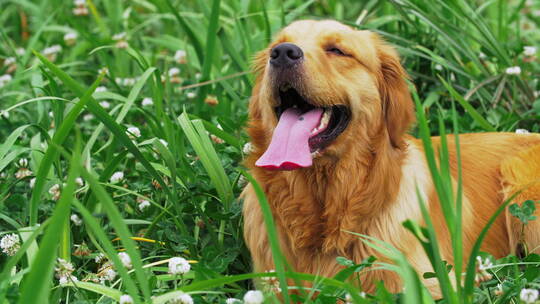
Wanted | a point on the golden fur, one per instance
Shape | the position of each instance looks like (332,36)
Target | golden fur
(365,180)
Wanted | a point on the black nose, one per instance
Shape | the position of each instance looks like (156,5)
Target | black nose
(285,55)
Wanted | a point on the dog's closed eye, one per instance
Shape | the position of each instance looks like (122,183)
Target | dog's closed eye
(335,50)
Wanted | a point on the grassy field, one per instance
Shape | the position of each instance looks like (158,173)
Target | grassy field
(121,143)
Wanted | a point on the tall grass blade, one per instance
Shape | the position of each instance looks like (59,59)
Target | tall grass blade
(469,108)
(36,285)
(121,228)
(57,140)
(99,289)
(106,119)
(112,254)
(279,258)
(196,134)
(12,261)
(195,41)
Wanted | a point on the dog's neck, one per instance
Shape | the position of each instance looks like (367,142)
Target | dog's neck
(316,206)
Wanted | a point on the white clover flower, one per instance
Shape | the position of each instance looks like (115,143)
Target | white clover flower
(183,298)
(119,36)
(438,67)
(99,258)
(88,117)
(120,39)
(32,182)
(216,139)
(178,265)
(348,299)
(70,38)
(515,70)
(117,176)
(144,204)
(180,56)
(122,44)
(76,220)
(23,162)
(80,11)
(9,61)
(232,301)
(79,181)
(528,295)
(5,79)
(55,191)
(126,260)
(105,104)
(128,82)
(67,279)
(147,101)
(499,290)
(253,297)
(174,72)
(10,244)
(191,95)
(20,51)
(104,70)
(248,148)
(133,132)
(22,173)
(63,268)
(529,50)
(52,50)
(482,268)
(484,265)
(270,284)
(109,274)
(101,89)
(211,100)
(522,131)
(126,299)
(163,142)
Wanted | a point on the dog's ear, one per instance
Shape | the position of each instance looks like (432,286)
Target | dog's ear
(398,108)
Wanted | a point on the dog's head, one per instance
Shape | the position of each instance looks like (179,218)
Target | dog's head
(323,87)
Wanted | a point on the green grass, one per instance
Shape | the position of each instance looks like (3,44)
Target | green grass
(187,162)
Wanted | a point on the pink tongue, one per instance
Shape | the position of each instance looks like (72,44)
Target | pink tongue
(289,148)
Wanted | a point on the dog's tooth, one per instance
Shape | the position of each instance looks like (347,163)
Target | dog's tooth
(325,119)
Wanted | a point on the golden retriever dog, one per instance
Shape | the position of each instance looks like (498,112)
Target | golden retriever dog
(329,118)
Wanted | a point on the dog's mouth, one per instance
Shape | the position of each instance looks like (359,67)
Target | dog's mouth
(303,131)
(333,122)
